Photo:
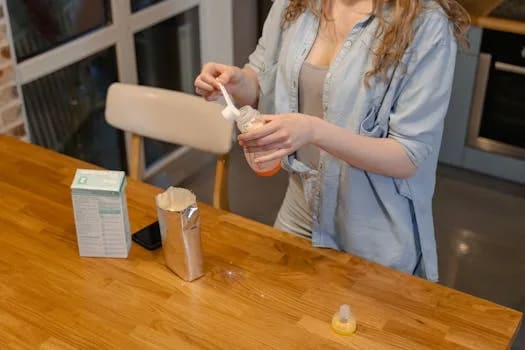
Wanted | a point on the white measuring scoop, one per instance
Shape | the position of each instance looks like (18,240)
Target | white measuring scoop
(230,112)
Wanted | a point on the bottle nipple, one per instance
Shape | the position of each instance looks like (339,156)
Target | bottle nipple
(343,322)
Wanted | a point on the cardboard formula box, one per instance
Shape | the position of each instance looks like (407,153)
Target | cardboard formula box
(101,213)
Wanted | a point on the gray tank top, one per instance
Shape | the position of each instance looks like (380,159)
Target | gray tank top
(311,80)
(295,215)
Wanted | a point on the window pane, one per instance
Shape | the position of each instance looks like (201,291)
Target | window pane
(39,25)
(168,56)
(65,111)
(137,5)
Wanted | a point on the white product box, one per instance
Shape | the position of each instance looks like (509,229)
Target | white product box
(101,213)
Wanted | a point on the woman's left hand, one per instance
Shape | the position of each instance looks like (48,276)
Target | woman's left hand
(283,133)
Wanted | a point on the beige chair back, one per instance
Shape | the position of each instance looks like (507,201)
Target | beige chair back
(172,117)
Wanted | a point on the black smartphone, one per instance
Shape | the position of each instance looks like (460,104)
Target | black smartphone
(148,237)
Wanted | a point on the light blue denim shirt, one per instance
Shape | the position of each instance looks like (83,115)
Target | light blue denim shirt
(380,218)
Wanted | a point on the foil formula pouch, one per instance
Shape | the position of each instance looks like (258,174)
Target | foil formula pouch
(180,231)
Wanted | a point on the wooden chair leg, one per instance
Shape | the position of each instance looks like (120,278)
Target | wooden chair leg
(135,166)
(220,191)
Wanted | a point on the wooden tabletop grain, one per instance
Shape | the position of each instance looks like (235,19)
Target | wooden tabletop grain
(263,289)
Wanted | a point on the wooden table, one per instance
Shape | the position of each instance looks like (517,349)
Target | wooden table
(262,289)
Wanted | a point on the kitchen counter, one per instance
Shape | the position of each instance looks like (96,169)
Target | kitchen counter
(481,12)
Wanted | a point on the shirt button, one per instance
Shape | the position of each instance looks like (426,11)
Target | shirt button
(348,43)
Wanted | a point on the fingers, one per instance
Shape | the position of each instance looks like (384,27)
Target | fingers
(225,77)
(203,88)
(274,137)
(263,131)
(206,82)
(266,148)
(281,139)
(216,72)
(202,85)
(207,94)
(202,92)
(219,67)
(228,74)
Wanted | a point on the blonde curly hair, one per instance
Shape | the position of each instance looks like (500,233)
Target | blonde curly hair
(396,34)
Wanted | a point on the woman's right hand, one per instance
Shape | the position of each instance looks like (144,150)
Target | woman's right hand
(241,84)
(229,76)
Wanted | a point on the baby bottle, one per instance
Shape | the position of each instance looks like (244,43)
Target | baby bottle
(249,119)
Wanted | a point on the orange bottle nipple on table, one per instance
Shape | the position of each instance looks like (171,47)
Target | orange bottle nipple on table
(248,119)
(343,322)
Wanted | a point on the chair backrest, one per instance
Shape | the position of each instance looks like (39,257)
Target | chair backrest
(169,116)
(172,117)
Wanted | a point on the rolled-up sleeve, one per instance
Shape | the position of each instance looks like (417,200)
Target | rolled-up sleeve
(417,117)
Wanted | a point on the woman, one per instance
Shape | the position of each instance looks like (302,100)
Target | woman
(356,93)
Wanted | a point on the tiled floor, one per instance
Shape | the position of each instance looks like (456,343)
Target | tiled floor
(480,226)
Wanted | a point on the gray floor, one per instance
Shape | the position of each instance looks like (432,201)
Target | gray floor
(480,226)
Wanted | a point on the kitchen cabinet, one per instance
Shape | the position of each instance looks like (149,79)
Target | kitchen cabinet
(455,150)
